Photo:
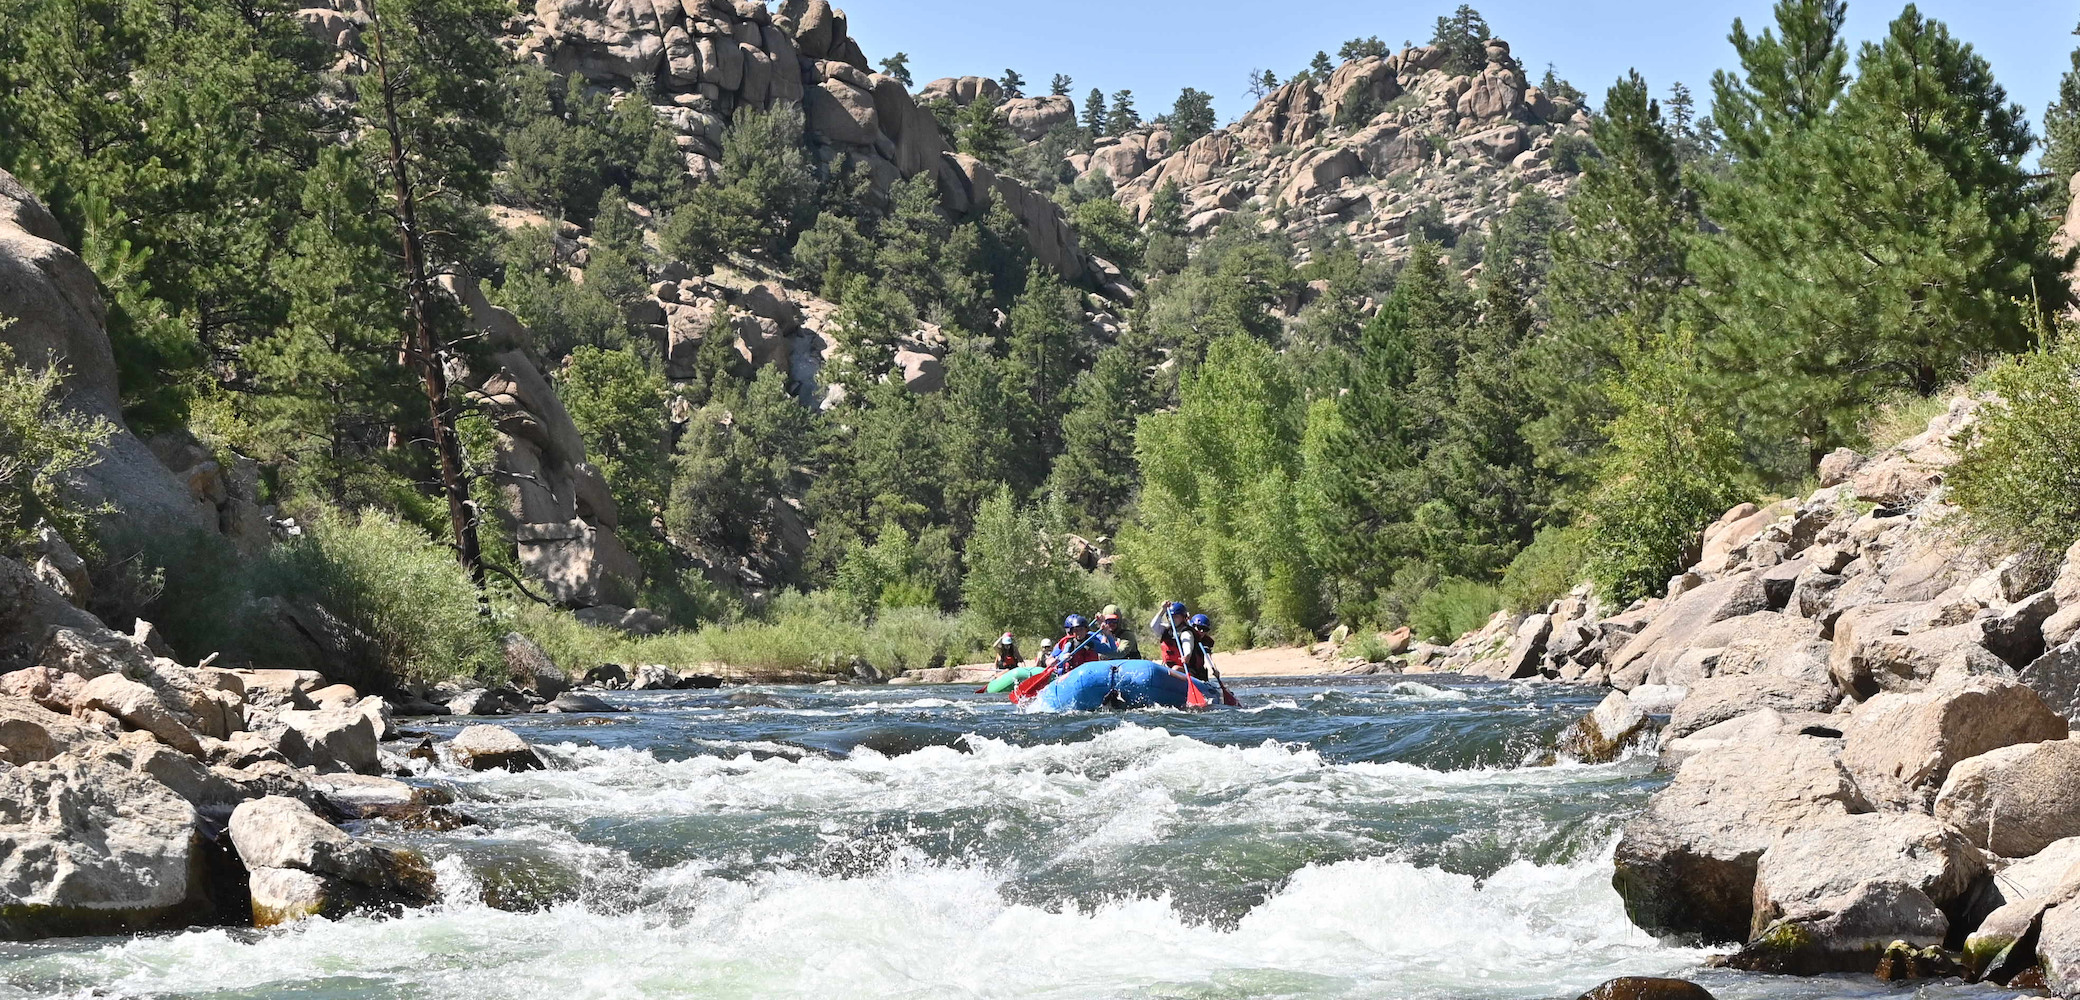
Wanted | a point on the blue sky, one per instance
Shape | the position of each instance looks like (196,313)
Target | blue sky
(1154,47)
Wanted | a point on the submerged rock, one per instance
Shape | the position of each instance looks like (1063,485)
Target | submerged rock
(1648,988)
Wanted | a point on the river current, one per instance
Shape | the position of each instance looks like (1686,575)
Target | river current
(1349,837)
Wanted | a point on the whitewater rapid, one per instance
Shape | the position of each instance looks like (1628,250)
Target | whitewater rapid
(830,845)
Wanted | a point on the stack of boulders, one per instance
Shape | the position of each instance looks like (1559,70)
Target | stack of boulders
(1866,711)
(137,792)
(1361,153)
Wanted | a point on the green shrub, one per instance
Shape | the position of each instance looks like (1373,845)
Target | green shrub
(2020,474)
(1546,570)
(413,606)
(1453,608)
(41,445)
(1368,646)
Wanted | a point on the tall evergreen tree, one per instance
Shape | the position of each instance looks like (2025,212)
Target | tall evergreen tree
(1014,85)
(1873,248)
(1191,117)
(1094,112)
(1622,267)
(2061,158)
(1095,474)
(1121,118)
(898,66)
(1061,84)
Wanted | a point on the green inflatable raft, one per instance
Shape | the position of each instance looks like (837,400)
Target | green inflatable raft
(1011,678)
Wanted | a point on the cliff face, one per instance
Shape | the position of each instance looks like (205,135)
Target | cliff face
(1361,153)
(51,313)
(705,59)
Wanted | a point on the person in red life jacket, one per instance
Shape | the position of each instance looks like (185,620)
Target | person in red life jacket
(1077,646)
(1007,652)
(1168,620)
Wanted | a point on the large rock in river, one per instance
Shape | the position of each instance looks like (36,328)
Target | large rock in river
(302,866)
(89,846)
(1687,864)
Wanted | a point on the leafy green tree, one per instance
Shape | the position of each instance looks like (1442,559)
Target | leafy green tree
(831,250)
(617,400)
(2061,159)
(1020,577)
(1191,117)
(1061,85)
(1105,229)
(2020,474)
(1217,524)
(1872,245)
(1464,38)
(1676,466)
(1094,112)
(1014,85)
(1121,118)
(898,66)
(766,194)
(561,314)
(42,445)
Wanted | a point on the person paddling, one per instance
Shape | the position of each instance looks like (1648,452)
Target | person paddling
(1077,646)
(1179,640)
(1123,645)
(1007,652)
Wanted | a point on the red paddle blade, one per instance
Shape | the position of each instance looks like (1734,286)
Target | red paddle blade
(1193,697)
(1032,685)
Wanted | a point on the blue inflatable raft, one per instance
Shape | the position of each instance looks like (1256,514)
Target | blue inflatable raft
(1120,684)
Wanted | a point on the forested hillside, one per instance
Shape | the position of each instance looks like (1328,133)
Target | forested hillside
(701,310)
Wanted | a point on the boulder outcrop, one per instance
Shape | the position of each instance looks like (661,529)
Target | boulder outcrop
(301,866)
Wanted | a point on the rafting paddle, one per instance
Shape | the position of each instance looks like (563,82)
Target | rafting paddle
(1186,642)
(1033,684)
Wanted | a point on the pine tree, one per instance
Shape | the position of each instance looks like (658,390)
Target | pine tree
(2061,158)
(1191,117)
(898,66)
(981,133)
(1165,229)
(1622,267)
(1014,85)
(1320,68)
(1095,474)
(1060,86)
(1791,79)
(1121,118)
(432,105)
(1044,342)
(1873,243)
(985,434)
(765,197)
(1464,38)
(1094,112)
(1361,48)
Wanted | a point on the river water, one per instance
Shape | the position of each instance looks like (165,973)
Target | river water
(1349,837)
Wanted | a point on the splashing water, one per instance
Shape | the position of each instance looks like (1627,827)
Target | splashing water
(1355,840)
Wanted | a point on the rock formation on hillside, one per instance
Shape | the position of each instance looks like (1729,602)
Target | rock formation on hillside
(1360,153)
(704,59)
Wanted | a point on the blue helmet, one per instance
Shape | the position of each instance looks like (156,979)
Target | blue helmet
(1074,622)
(1175,608)
(1201,621)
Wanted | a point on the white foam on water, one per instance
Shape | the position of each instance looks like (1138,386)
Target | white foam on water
(1357,928)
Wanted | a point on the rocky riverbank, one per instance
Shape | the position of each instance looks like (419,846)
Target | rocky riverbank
(1866,711)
